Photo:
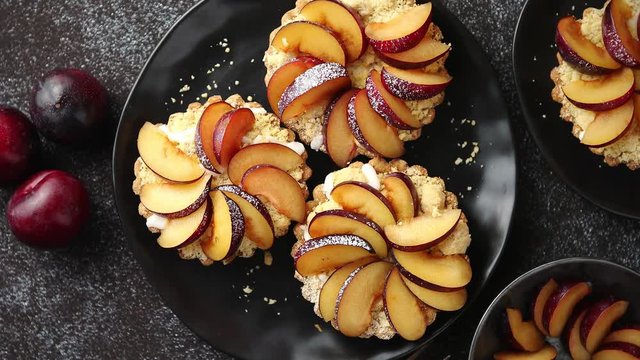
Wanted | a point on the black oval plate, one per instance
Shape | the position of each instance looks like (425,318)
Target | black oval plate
(210,300)
(608,279)
(534,55)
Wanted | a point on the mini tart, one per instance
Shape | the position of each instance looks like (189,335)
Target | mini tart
(310,125)
(180,130)
(623,150)
(431,200)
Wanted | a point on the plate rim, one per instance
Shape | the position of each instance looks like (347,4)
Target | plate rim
(531,272)
(546,153)
(511,208)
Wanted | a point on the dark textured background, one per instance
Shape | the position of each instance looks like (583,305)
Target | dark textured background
(93,302)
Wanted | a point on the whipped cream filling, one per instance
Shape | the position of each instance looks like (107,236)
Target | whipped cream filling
(371,175)
(327,187)
(317,142)
(157,222)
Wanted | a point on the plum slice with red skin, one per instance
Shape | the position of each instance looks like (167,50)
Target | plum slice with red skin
(185,230)
(402,194)
(422,232)
(285,75)
(227,137)
(393,109)
(425,53)
(305,37)
(342,222)
(258,222)
(605,93)
(164,158)
(344,21)
(541,301)
(561,304)
(326,253)
(312,87)
(278,155)
(406,313)
(365,200)
(524,334)
(599,319)
(579,51)
(441,300)
(371,130)
(402,32)
(617,351)
(173,200)
(357,296)
(228,229)
(204,135)
(414,84)
(282,190)
(338,139)
(616,35)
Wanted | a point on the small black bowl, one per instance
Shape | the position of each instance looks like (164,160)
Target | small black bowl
(607,279)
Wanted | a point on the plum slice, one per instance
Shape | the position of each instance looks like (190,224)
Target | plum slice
(371,130)
(402,32)
(305,37)
(422,232)
(441,300)
(402,194)
(393,109)
(164,158)
(175,199)
(258,223)
(185,230)
(312,87)
(436,272)
(599,319)
(426,52)
(605,93)
(524,334)
(579,51)
(340,222)
(228,228)
(282,191)
(361,198)
(405,311)
(330,289)
(204,135)
(326,253)
(346,23)
(273,154)
(227,137)
(414,84)
(338,139)
(285,75)
(357,296)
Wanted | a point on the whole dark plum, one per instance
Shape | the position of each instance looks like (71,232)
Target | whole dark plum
(19,145)
(69,106)
(49,210)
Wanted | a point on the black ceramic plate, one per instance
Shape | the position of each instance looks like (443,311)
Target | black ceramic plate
(210,300)
(534,55)
(607,278)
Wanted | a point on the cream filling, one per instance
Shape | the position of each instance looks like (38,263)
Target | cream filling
(371,176)
(157,222)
